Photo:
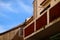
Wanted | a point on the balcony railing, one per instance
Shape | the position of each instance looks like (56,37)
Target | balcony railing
(54,13)
(42,21)
(29,30)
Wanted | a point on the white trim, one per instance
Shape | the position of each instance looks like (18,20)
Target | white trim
(51,23)
(34,25)
(28,24)
(48,16)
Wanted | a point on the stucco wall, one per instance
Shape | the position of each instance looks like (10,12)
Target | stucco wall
(9,35)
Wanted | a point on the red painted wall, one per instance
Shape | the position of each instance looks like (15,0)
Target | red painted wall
(29,30)
(42,21)
(54,12)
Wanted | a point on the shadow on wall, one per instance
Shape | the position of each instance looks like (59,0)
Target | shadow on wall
(17,37)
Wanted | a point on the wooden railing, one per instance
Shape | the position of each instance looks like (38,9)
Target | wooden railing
(42,21)
(29,29)
(54,13)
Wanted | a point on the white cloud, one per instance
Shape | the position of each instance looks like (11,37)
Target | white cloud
(7,6)
(2,4)
(20,3)
(25,7)
(4,16)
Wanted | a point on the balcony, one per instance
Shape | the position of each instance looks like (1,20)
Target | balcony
(47,33)
(33,32)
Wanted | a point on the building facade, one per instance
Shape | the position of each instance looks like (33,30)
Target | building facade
(46,21)
(43,25)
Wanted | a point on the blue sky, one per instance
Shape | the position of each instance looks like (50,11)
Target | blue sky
(14,12)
